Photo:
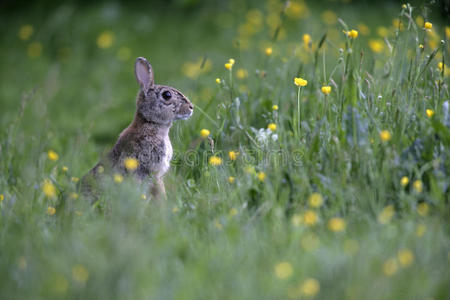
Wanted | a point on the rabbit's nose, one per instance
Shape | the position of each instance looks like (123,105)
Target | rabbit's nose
(191,106)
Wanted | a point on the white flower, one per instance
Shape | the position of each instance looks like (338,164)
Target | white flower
(264,134)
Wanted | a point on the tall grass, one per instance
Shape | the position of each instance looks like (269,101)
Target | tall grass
(343,196)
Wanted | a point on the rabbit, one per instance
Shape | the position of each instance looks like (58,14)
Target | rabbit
(146,139)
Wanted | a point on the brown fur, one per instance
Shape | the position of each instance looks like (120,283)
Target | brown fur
(147,137)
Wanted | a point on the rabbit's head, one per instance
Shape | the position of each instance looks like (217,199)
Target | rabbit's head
(156,103)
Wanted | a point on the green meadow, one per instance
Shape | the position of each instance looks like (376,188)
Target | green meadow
(316,164)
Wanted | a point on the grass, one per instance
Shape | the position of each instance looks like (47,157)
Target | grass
(347,197)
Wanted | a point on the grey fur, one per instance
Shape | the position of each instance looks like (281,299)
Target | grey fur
(147,137)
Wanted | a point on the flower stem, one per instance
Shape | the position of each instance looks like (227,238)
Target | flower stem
(231,85)
(299,121)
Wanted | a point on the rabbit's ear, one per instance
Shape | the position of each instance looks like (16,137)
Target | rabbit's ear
(144,73)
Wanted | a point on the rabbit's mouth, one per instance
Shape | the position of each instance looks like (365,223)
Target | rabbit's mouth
(185,116)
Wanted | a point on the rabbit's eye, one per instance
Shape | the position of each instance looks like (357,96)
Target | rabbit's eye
(166,95)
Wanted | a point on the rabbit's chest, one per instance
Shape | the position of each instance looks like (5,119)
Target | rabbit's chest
(154,157)
(165,163)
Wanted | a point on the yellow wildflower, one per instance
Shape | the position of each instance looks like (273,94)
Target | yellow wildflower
(241,74)
(326,90)
(376,46)
(352,34)
(405,257)
(284,270)
(218,80)
(420,46)
(315,200)
(261,176)
(420,21)
(428,26)
(25,32)
(34,49)
(390,267)
(422,209)
(143,196)
(386,214)
(268,51)
(300,81)
(215,160)
(441,66)
(52,155)
(310,218)
(275,107)
(118,178)
(2,197)
(80,273)
(418,186)
(420,230)
(231,179)
(105,39)
(233,155)
(272,126)
(75,179)
(404,181)
(51,210)
(429,113)
(131,163)
(65,169)
(175,209)
(49,189)
(73,196)
(382,31)
(385,135)
(229,64)
(310,287)
(336,224)
(204,133)
(306,39)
